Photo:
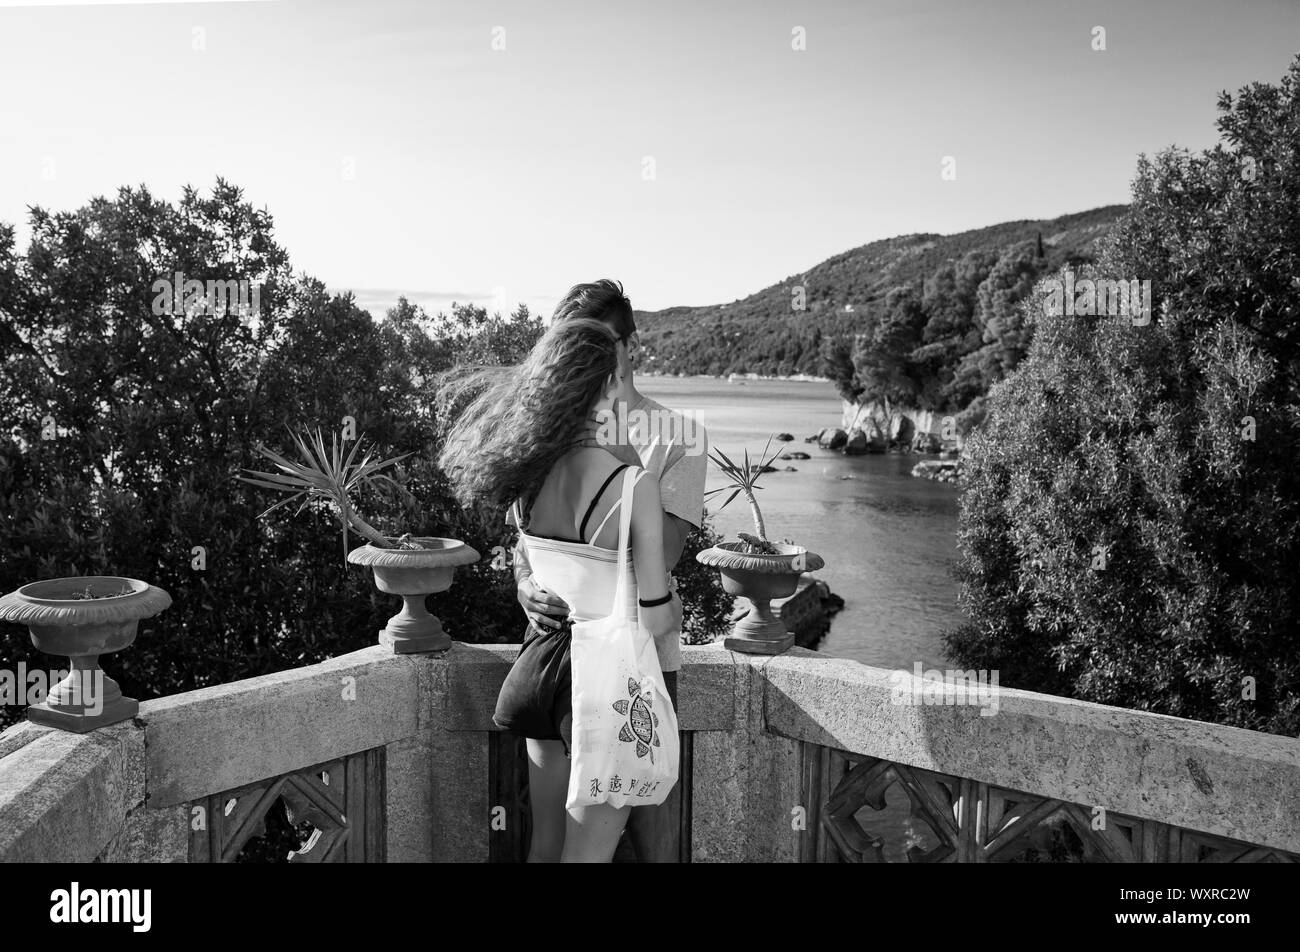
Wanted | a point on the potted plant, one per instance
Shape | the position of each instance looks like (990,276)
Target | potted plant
(755,568)
(407,566)
(81,618)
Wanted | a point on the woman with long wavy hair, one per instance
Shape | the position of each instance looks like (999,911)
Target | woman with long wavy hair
(528,441)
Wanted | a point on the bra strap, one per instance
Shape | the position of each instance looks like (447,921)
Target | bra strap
(582,529)
(614,508)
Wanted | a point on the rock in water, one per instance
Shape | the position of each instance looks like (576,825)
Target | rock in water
(856,442)
(925,442)
(784,437)
(832,438)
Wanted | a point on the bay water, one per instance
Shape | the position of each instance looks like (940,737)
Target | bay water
(889,539)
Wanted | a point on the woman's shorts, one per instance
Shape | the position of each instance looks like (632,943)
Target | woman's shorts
(536,699)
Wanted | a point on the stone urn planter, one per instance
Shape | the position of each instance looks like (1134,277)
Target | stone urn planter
(759,579)
(81,618)
(414,574)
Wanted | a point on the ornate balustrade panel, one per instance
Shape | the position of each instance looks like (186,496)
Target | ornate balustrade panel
(938,818)
(327,813)
(201,776)
(1167,787)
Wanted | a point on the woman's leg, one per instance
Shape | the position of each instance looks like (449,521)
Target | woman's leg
(548,787)
(591,834)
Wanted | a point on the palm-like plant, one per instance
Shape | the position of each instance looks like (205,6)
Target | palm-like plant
(743,478)
(331,477)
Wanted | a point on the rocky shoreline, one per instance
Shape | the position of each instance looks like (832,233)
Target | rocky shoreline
(940,470)
(948,468)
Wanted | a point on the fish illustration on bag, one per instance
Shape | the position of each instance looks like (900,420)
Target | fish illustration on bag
(642,722)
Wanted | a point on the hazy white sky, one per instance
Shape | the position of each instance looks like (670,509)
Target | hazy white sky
(397,149)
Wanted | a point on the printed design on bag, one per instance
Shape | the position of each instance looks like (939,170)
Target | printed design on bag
(645,788)
(642,722)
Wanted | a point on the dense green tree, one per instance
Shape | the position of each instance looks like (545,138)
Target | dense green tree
(836,363)
(882,355)
(1131,522)
(129,411)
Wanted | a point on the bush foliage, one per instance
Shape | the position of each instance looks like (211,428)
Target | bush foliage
(126,423)
(1130,528)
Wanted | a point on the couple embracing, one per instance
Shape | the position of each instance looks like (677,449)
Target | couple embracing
(551,444)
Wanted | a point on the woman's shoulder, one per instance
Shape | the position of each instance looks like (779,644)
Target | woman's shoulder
(645,490)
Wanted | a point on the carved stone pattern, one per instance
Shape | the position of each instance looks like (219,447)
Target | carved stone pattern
(975,822)
(342,800)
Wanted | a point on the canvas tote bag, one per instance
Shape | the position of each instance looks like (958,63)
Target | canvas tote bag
(625,742)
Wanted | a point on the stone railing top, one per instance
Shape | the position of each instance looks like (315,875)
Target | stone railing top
(1224,780)
(64,796)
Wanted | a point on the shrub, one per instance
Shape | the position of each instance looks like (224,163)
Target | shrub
(127,423)
(1170,449)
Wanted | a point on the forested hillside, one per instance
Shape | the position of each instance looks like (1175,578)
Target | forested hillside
(930,320)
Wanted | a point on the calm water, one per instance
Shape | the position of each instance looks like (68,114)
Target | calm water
(889,540)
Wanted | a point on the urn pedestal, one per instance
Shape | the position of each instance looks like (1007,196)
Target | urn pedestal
(759,579)
(81,618)
(415,574)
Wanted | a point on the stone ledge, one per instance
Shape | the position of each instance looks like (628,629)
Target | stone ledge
(64,796)
(19,735)
(151,836)
(706,686)
(1221,780)
(218,738)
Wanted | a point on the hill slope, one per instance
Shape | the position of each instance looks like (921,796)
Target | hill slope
(763,334)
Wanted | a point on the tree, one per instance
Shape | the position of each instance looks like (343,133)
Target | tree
(1131,521)
(128,413)
(882,363)
(836,362)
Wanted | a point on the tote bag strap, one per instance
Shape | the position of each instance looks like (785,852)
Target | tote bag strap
(624,537)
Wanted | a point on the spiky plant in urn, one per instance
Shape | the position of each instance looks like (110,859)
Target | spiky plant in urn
(412,567)
(755,568)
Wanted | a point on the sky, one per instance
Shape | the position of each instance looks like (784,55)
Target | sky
(499,152)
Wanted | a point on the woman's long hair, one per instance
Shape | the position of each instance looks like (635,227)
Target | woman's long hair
(504,443)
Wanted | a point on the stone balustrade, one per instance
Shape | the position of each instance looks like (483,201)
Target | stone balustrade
(785,759)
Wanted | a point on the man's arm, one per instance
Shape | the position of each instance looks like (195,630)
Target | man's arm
(676,529)
(542,608)
(684,506)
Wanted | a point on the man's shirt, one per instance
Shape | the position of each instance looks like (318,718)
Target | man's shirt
(681,486)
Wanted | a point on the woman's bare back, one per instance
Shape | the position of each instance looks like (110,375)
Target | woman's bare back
(566,498)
